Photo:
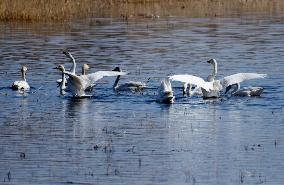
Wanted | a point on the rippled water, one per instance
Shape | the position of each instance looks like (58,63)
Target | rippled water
(129,138)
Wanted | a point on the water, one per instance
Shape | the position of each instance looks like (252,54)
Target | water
(129,138)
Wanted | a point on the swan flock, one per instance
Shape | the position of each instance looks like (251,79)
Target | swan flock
(211,87)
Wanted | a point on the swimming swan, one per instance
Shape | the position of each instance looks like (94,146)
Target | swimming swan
(22,84)
(211,88)
(165,92)
(78,84)
(128,86)
(246,91)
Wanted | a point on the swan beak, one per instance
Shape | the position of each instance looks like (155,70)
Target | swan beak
(55,68)
(209,61)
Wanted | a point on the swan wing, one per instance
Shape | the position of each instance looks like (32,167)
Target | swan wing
(76,84)
(165,89)
(166,85)
(239,77)
(93,77)
(193,80)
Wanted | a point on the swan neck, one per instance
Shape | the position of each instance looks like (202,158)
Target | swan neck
(24,75)
(62,85)
(73,68)
(214,72)
(115,85)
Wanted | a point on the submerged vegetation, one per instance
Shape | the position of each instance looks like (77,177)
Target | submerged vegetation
(33,10)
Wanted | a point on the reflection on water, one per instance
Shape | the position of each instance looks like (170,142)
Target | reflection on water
(129,138)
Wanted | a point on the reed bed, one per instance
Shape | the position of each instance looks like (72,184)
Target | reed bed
(37,10)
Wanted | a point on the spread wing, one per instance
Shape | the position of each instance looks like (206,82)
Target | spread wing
(166,85)
(93,77)
(193,80)
(76,80)
(239,77)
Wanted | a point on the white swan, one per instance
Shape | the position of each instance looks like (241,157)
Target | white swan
(165,92)
(21,84)
(198,90)
(63,82)
(128,86)
(73,67)
(246,91)
(78,84)
(211,88)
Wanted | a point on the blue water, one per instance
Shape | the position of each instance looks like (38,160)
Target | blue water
(129,138)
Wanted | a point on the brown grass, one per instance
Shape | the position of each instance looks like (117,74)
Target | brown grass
(34,10)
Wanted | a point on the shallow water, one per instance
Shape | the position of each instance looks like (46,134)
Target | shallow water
(129,138)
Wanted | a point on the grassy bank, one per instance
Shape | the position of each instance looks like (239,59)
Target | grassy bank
(33,10)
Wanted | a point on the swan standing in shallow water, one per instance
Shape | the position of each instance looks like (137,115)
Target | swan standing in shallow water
(78,84)
(165,92)
(211,88)
(128,86)
(22,84)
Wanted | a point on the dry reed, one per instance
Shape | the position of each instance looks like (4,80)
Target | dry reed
(34,10)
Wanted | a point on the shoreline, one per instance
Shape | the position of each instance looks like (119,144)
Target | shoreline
(62,10)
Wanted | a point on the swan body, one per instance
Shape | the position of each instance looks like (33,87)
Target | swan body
(85,68)
(21,84)
(249,91)
(189,90)
(78,84)
(128,86)
(165,92)
(246,91)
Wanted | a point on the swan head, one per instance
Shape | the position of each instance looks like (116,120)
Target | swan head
(67,53)
(117,69)
(212,61)
(60,68)
(86,67)
(24,69)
